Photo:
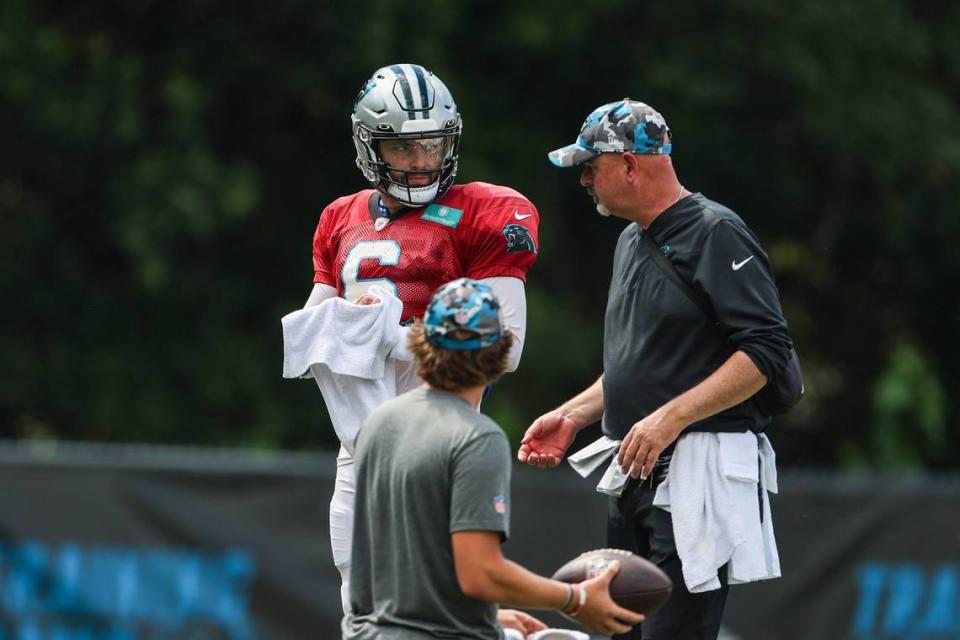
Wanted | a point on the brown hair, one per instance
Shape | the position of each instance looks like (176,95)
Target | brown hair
(452,369)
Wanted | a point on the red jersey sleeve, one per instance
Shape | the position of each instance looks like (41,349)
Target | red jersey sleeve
(502,238)
(323,257)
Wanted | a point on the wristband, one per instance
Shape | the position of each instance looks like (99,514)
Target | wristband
(581,603)
(566,603)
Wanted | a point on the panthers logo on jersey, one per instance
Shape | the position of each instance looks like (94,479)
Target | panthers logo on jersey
(518,239)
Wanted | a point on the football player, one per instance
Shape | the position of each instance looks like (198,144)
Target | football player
(414,229)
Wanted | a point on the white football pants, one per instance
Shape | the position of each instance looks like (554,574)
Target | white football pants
(341,522)
(344,490)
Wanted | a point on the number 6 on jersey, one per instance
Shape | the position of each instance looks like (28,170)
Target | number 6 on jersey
(385,252)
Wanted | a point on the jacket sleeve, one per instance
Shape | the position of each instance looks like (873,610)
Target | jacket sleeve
(735,273)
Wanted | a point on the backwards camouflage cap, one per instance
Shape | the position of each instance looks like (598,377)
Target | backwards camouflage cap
(463,314)
(625,125)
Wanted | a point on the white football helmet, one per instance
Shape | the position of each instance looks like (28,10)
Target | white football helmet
(406,102)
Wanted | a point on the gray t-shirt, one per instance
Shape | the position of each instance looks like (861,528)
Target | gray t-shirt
(427,465)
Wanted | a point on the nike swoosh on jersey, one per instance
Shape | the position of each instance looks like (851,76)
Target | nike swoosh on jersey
(736,265)
(516,214)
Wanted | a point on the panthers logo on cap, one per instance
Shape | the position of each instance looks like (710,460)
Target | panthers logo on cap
(518,239)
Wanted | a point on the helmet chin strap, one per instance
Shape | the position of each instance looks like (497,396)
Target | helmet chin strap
(413,196)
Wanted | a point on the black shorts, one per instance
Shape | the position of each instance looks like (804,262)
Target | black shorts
(633,523)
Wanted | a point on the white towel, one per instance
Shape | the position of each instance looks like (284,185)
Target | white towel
(345,347)
(349,339)
(711,493)
(546,634)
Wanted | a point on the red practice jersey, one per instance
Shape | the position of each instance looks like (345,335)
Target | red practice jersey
(475,230)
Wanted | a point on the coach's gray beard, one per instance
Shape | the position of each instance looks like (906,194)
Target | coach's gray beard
(602,210)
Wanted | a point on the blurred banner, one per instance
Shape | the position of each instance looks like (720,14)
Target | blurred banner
(129,543)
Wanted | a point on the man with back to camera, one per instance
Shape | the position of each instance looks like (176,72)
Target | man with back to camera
(433,497)
(690,478)
(414,230)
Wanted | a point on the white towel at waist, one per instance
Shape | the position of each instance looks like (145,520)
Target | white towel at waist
(712,495)
(345,347)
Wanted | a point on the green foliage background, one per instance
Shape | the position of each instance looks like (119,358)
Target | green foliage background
(163,164)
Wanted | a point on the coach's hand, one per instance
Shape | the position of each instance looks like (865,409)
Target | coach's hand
(522,622)
(646,440)
(601,614)
(547,440)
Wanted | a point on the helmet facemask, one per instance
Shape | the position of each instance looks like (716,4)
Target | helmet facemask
(436,152)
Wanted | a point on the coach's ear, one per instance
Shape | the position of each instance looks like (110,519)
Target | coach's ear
(631,165)
(478,560)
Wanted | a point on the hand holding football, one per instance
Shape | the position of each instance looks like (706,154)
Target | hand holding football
(640,585)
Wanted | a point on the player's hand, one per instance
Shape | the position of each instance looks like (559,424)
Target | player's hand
(645,441)
(522,622)
(367,298)
(601,614)
(547,440)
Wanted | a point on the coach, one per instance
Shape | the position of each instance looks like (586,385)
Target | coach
(692,470)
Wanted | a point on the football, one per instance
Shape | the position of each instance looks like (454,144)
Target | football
(640,585)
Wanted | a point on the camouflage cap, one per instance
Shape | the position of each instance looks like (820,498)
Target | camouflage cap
(625,125)
(463,314)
